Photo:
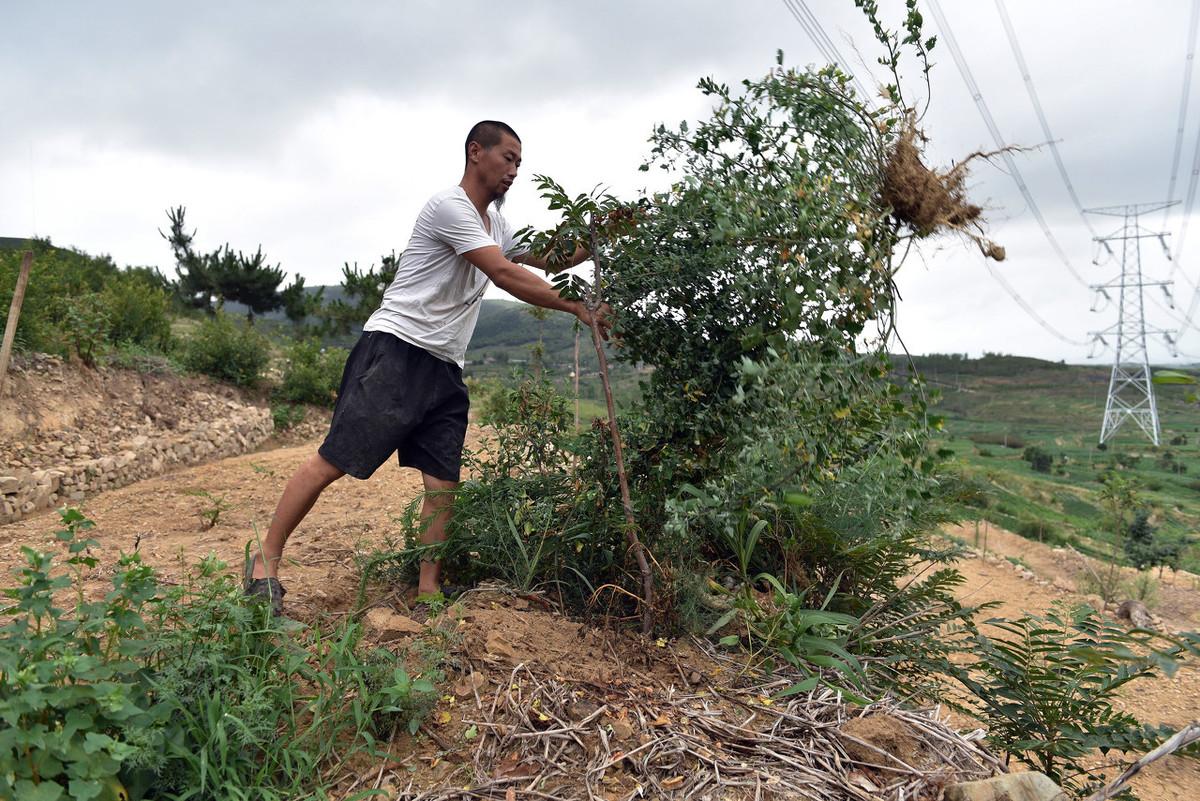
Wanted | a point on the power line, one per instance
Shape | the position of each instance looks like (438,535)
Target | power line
(1041,114)
(1029,309)
(812,26)
(1191,191)
(994,130)
(1189,60)
(1188,63)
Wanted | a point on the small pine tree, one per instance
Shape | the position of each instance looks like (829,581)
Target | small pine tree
(362,292)
(1140,543)
(207,280)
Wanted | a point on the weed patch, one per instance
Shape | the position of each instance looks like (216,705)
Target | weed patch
(189,692)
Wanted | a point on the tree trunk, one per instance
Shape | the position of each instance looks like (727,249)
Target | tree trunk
(639,551)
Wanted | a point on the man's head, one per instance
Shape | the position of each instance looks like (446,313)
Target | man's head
(493,152)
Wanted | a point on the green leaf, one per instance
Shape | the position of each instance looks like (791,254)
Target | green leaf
(800,687)
(720,624)
(45,790)
(85,789)
(1173,377)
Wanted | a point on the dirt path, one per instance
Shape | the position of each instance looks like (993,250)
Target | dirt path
(162,515)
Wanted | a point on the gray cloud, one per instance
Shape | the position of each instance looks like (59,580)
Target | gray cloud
(227,95)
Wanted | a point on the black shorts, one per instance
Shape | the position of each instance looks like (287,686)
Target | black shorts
(397,397)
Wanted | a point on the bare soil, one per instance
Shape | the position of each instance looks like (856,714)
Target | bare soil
(495,630)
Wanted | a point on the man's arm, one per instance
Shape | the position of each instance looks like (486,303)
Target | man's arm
(525,286)
(580,255)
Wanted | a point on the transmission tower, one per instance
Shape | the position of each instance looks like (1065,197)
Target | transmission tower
(1130,391)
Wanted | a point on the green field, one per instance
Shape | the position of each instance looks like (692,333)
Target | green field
(994,411)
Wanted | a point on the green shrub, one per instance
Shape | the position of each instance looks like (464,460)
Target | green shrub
(992,438)
(83,326)
(1038,459)
(286,415)
(192,691)
(1039,530)
(73,702)
(57,280)
(311,374)
(138,312)
(227,350)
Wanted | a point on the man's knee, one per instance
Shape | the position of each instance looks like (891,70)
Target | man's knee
(320,471)
(438,492)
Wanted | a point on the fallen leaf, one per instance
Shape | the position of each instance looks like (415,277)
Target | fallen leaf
(443,717)
(672,783)
(510,794)
(511,767)
(661,720)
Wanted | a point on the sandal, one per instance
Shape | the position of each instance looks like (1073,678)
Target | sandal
(267,588)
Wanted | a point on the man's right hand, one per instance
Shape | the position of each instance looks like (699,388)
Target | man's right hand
(603,317)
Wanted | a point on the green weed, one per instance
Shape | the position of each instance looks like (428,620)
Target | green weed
(185,692)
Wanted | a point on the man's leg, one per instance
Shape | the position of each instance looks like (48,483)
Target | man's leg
(302,491)
(435,513)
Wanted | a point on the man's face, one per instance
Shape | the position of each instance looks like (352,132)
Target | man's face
(497,165)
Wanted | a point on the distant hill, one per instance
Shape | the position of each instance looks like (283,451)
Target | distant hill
(14,243)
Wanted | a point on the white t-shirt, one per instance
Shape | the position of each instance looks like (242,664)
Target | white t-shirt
(434,300)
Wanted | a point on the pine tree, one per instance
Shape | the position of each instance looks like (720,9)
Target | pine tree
(207,280)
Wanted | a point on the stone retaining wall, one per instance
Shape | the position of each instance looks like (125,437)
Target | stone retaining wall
(141,457)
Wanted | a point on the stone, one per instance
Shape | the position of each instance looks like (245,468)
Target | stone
(1136,613)
(499,648)
(620,728)
(9,485)
(389,626)
(1009,787)
(1062,585)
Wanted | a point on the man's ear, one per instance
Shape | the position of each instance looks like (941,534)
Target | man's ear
(473,150)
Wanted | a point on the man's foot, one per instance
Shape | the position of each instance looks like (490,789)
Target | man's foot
(268,588)
(426,605)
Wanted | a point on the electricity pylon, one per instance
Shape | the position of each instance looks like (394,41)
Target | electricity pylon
(1130,391)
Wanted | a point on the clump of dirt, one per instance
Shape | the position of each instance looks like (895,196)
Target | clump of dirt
(886,741)
(930,201)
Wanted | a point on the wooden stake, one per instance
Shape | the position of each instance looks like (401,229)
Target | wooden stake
(14,312)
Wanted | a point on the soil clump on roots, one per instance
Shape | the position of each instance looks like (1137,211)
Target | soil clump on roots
(929,201)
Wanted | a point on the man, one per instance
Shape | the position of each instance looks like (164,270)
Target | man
(402,388)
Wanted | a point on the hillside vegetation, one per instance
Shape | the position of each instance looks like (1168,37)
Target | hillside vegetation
(1028,432)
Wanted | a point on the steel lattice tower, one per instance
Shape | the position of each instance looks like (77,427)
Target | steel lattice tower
(1130,391)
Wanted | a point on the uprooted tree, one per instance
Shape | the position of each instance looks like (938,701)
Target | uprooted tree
(769,449)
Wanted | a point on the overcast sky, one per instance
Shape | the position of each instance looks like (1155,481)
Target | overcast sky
(318,130)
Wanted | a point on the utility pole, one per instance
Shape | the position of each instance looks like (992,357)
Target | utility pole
(1130,391)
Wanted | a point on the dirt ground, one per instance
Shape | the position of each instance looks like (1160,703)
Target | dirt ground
(162,516)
